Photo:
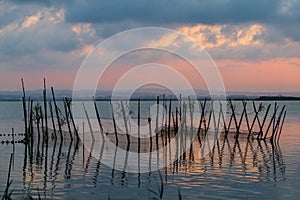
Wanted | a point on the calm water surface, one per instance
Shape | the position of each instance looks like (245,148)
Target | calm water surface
(232,170)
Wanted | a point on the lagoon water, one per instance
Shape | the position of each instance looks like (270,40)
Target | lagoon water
(232,170)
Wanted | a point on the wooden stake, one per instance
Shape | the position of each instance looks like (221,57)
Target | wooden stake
(67,118)
(52,119)
(262,125)
(125,122)
(114,122)
(99,119)
(57,114)
(279,134)
(89,123)
(139,126)
(45,108)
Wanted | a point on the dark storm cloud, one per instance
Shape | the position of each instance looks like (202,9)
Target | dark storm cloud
(181,11)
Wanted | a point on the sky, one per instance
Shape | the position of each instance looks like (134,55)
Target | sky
(254,43)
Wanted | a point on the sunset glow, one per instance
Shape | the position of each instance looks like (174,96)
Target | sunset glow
(52,42)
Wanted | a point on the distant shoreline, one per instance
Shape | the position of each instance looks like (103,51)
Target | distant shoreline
(233,98)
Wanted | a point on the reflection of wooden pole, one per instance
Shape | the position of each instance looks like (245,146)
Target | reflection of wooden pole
(8,177)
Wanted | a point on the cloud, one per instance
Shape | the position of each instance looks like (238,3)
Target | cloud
(250,42)
(178,11)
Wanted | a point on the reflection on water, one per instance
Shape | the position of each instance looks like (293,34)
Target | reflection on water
(234,168)
(64,169)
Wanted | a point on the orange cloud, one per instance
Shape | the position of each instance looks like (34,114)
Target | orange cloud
(31,20)
(210,36)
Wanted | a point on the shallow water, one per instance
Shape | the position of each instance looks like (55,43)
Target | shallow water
(233,169)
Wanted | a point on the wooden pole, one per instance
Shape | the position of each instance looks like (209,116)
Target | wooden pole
(277,123)
(57,114)
(52,119)
(234,117)
(72,119)
(45,109)
(263,122)
(89,123)
(202,115)
(24,109)
(139,126)
(279,134)
(156,123)
(256,115)
(169,122)
(271,121)
(125,122)
(99,119)
(114,122)
(67,118)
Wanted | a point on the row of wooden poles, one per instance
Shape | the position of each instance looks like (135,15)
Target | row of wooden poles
(171,122)
(274,125)
(271,159)
(43,121)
